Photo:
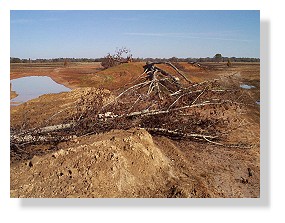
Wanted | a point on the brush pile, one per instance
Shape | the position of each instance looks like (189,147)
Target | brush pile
(161,102)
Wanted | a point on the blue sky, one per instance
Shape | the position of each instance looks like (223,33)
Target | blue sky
(93,34)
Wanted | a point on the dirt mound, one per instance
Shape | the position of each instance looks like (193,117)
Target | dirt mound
(115,164)
(116,77)
(132,163)
(52,109)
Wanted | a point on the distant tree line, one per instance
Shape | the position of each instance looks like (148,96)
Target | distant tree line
(205,59)
(226,59)
(18,60)
(138,59)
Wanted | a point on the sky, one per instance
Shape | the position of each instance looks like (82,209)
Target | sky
(164,34)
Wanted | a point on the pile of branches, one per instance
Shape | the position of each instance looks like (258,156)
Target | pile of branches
(173,106)
(158,101)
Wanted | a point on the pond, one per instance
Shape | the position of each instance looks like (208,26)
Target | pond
(31,87)
(246,86)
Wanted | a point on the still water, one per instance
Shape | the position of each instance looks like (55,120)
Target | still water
(246,86)
(31,87)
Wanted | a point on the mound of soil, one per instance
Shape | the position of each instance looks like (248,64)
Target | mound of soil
(116,164)
(132,163)
(51,109)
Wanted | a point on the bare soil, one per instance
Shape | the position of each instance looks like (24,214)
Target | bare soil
(131,163)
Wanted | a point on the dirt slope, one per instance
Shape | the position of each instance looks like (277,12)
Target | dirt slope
(81,74)
(116,164)
(134,164)
(51,109)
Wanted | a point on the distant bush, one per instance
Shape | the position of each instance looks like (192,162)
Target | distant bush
(229,63)
(109,61)
(15,60)
(218,57)
(121,56)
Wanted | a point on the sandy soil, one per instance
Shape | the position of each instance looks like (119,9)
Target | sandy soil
(13,94)
(132,163)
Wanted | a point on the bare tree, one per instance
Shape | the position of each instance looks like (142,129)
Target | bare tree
(121,55)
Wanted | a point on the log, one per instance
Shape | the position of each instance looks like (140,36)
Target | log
(179,134)
(34,135)
(170,64)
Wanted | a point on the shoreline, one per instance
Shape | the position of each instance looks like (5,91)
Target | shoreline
(14,94)
(72,76)
(55,79)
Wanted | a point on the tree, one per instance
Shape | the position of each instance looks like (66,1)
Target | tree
(218,57)
(173,59)
(15,60)
(122,55)
(229,63)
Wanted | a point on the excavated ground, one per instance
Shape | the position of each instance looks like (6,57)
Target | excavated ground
(133,163)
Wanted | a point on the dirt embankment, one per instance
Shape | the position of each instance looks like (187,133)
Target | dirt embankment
(13,94)
(49,109)
(116,164)
(72,76)
(132,163)
(76,75)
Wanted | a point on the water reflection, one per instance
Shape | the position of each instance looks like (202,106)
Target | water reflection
(31,87)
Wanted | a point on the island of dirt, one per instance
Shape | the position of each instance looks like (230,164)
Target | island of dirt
(131,162)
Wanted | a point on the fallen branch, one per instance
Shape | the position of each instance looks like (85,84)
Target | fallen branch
(179,134)
(170,64)
(32,139)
